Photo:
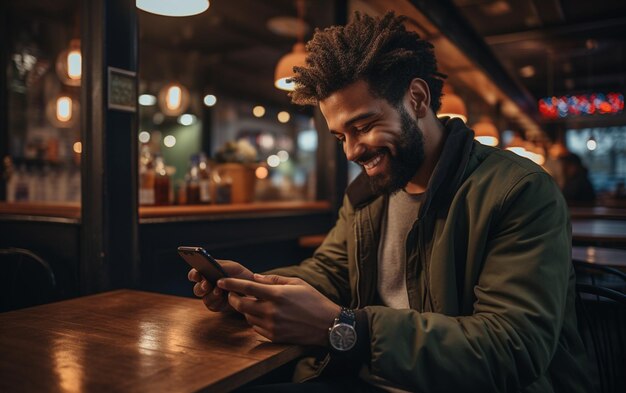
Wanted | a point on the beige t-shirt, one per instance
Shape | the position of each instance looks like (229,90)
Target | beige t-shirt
(398,221)
(401,215)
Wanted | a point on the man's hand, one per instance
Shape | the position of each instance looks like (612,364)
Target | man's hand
(213,297)
(283,309)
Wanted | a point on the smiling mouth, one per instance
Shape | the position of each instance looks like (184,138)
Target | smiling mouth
(373,162)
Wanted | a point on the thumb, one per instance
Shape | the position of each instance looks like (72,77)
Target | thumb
(272,279)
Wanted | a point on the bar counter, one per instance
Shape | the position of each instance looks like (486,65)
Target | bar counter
(261,235)
(72,210)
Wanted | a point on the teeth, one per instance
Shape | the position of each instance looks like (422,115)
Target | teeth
(373,162)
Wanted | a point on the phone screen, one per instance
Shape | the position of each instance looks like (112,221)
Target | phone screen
(203,262)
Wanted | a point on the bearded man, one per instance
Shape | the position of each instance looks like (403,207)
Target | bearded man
(449,266)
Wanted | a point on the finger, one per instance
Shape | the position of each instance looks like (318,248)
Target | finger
(200,289)
(194,276)
(215,304)
(246,287)
(247,305)
(273,279)
(234,269)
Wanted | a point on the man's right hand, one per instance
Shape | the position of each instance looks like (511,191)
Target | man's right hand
(213,297)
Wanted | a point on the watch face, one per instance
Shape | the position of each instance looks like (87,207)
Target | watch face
(342,337)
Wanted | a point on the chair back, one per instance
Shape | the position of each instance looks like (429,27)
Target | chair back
(600,275)
(601,316)
(26,279)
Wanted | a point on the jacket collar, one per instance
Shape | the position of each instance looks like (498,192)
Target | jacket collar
(447,175)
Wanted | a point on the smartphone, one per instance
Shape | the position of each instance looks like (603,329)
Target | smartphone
(203,262)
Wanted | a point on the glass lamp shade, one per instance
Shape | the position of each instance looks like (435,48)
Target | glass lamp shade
(284,68)
(69,64)
(173,99)
(62,111)
(173,8)
(452,106)
(486,132)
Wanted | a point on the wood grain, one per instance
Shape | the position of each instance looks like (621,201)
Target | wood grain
(132,341)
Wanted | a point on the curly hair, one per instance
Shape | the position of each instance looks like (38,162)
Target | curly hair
(378,50)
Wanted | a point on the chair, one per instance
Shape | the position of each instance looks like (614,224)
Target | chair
(26,279)
(601,316)
(600,275)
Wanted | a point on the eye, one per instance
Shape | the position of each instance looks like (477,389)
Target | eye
(340,138)
(364,128)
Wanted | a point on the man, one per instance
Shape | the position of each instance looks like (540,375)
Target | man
(449,266)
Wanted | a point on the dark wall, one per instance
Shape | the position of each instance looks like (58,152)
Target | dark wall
(57,242)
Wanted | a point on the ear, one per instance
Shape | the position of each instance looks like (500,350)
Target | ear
(419,97)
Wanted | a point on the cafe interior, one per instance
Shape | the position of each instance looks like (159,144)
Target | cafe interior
(130,128)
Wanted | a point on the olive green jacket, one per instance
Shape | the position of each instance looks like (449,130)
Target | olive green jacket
(496,309)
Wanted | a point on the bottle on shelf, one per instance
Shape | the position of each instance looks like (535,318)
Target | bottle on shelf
(161,182)
(193,181)
(223,184)
(204,179)
(146,177)
(22,185)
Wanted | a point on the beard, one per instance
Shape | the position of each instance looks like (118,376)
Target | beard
(409,157)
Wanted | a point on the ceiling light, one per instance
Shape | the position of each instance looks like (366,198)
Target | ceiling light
(173,8)
(64,109)
(592,144)
(173,99)
(284,68)
(147,100)
(283,155)
(273,161)
(144,137)
(258,111)
(169,141)
(261,172)
(186,119)
(486,132)
(452,105)
(69,64)
(210,100)
(283,116)
(296,58)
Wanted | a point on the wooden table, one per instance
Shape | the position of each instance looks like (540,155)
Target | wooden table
(602,256)
(600,212)
(131,341)
(600,232)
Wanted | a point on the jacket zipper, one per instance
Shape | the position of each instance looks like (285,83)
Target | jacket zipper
(425,266)
(322,366)
(356,259)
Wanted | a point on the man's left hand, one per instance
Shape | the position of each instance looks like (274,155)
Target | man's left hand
(283,309)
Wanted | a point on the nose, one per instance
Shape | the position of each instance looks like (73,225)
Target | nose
(353,148)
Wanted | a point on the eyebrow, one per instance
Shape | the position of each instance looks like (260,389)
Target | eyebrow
(355,119)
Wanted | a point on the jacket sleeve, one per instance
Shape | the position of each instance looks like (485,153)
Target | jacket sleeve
(327,270)
(509,340)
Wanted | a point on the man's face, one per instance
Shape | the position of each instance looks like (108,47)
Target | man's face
(383,139)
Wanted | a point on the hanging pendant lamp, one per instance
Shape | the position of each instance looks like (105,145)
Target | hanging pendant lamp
(173,8)
(486,132)
(69,64)
(452,105)
(295,58)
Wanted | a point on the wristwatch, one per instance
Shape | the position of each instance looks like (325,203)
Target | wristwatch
(342,335)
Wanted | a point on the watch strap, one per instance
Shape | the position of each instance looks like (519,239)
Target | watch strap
(347,316)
